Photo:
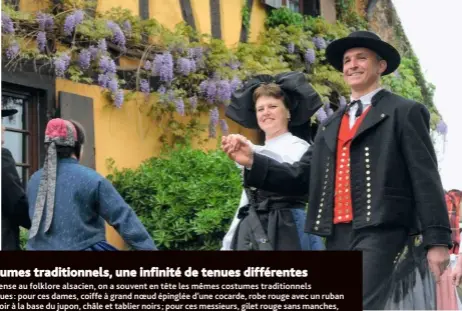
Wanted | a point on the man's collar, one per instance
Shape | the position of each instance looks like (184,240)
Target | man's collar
(366,99)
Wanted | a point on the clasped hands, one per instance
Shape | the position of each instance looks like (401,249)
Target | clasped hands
(238,149)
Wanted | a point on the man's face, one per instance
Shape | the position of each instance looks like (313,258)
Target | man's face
(361,68)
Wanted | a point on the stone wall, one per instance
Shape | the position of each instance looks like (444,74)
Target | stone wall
(328,10)
(384,21)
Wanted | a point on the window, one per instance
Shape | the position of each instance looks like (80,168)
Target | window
(22,130)
(305,7)
(310,7)
(294,5)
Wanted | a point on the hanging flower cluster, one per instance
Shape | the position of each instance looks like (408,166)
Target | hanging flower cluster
(442,128)
(72,21)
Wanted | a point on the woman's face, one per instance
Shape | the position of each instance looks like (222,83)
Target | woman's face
(272,115)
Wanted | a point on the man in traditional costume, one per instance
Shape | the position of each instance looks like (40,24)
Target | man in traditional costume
(371,173)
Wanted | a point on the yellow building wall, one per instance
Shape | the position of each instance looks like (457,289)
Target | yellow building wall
(106,5)
(201,13)
(33,5)
(257,21)
(166,12)
(128,135)
(231,20)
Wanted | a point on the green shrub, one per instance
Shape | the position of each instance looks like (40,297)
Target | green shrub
(185,198)
(284,16)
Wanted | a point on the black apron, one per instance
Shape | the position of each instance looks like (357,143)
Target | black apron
(267,222)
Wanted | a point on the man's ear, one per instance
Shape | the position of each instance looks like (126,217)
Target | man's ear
(382,66)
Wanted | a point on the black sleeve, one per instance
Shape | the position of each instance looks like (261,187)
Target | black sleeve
(427,187)
(14,200)
(271,175)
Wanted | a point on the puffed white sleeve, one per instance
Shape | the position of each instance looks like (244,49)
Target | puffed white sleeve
(295,151)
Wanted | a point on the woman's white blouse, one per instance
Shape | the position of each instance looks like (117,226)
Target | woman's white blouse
(283,148)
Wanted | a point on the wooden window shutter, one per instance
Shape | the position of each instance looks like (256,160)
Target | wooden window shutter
(80,108)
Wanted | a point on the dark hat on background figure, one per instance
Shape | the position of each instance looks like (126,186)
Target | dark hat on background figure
(299,96)
(8,112)
(363,39)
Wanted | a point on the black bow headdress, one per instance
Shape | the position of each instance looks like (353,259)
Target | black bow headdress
(299,96)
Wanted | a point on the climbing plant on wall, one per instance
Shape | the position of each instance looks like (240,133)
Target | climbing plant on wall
(180,71)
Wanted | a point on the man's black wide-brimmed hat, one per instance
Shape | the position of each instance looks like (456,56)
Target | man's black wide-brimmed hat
(363,39)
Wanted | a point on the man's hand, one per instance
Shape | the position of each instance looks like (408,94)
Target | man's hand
(238,149)
(456,274)
(438,260)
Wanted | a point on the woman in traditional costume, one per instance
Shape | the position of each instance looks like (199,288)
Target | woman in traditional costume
(280,106)
(68,202)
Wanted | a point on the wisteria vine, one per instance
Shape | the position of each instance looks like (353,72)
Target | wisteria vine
(188,83)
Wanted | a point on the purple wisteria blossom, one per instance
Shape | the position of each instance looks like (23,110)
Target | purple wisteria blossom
(212,130)
(78,15)
(184,66)
(310,56)
(192,64)
(442,128)
(113,85)
(127,26)
(7,24)
(321,115)
(217,90)
(223,90)
(208,89)
(144,86)
(107,65)
(214,116)
(72,21)
(163,66)
(179,106)
(328,109)
(320,43)
(161,90)
(291,48)
(147,65)
(61,64)
(396,74)
(45,21)
(224,127)
(193,102)
(197,54)
(12,51)
(119,98)
(118,37)
(234,65)
(235,84)
(102,45)
(85,59)
(41,41)
(103,80)
(93,52)
(342,102)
